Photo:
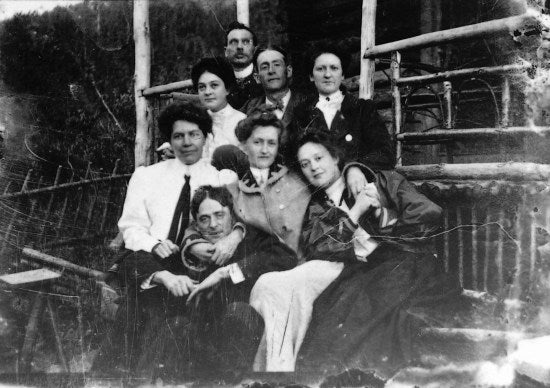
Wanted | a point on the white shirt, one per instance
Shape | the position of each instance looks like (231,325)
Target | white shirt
(329,105)
(278,112)
(224,123)
(363,244)
(152,195)
(240,74)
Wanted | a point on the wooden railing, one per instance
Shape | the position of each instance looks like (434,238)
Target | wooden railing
(62,214)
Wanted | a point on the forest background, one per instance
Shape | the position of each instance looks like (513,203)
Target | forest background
(72,69)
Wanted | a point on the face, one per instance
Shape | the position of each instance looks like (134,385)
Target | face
(214,221)
(240,48)
(318,166)
(212,91)
(262,146)
(187,141)
(327,74)
(273,71)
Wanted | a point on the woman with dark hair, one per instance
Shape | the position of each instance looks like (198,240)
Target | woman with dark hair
(370,316)
(213,78)
(366,260)
(354,123)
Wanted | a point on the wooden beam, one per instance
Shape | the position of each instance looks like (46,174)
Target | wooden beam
(472,31)
(167,88)
(243,13)
(462,73)
(63,264)
(511,171)
(368,29)
(473,133)
(143,150)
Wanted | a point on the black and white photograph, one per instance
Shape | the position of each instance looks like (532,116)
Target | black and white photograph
(275,193)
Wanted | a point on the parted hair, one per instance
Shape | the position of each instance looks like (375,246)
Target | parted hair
(218,66)
(183,111)
(326,140)
(279,49)
(219,194)
(326,48)
(239,26)
(262,116)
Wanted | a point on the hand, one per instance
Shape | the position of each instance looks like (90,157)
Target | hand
(165,248)
(202,251)
(177,285)
(225,247)
(355,180)
(366,199)
(211,281)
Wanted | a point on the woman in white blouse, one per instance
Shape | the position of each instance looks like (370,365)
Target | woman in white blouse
(213,78)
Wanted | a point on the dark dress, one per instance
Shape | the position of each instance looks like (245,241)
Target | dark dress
(370,316)
(158,335)
(357,128)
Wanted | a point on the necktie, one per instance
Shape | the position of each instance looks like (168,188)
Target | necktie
(181,214)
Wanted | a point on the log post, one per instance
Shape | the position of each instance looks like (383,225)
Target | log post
(448,98)
(142,79)
(505,121)
(243,14)
(368,32)
(396,106)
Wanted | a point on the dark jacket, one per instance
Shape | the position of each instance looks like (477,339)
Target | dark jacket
(245,89)
(296,98)
(357,127)
(327,233)
(257,254)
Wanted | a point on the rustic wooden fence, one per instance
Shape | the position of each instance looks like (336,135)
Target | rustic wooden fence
(64,215)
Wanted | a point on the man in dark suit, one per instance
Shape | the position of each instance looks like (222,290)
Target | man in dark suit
(274,71)
(239,50)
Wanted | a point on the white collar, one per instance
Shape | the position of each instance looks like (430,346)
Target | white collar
(337,96)
(222,112)
(336,190)
(240,74)
(188,169)
(260,174)
(285,99)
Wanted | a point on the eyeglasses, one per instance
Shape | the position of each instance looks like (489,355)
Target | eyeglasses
(245,42)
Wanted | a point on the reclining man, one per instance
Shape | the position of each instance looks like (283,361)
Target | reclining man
(155,327)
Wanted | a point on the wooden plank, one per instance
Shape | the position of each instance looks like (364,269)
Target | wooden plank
(167,88)
(29,277)
(64,264)
(462,73)
(510,171)
(474,133)
(472,31)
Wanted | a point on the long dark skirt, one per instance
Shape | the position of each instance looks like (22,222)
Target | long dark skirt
(370,317)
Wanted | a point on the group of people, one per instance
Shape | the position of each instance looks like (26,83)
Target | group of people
(278,237)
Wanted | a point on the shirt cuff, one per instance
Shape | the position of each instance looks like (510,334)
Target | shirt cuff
(147,283)
(235,273)
(386,218)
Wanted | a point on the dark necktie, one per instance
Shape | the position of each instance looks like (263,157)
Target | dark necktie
(181,214)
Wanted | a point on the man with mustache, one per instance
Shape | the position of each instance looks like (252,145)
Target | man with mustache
(274,71)
(239,50)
